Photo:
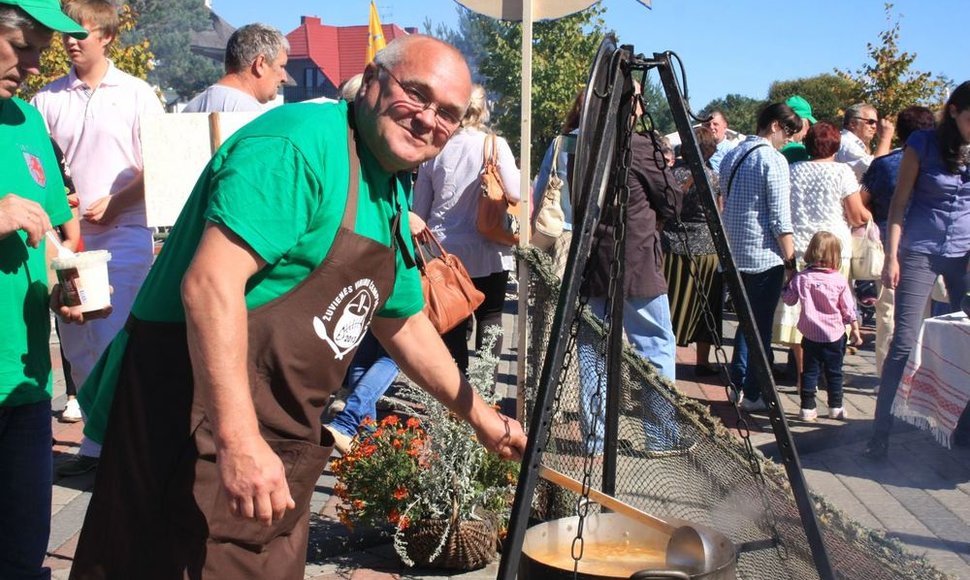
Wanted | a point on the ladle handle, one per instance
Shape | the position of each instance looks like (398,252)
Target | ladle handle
(606,501)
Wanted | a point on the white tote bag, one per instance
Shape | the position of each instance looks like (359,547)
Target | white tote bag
(867,254)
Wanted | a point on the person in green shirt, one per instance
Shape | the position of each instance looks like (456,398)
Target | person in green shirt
(32,201)
(291,246)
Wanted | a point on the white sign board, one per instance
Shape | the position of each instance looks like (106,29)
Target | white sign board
(176,147)
(512,9)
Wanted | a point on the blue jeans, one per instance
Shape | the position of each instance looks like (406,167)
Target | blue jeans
(26,478)
(647,324)
(370,374)
(763,290)
(822,357)
(917,273)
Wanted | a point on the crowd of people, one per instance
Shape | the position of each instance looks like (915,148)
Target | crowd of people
(290,274)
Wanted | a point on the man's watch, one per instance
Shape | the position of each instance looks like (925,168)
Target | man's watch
(789,263)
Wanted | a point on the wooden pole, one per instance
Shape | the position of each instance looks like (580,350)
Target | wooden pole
(525,206)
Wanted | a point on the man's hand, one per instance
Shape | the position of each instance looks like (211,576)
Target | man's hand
(255,480)
(17,213)
(101,211)
(416,224)
(73,314)
(502,435)
(886,130)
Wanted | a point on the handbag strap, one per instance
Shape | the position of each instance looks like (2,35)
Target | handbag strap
(489,153)
(557,145)
(420,248)
(734,170)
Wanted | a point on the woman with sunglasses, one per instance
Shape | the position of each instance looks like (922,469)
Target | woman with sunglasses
(933,199)
(757,220)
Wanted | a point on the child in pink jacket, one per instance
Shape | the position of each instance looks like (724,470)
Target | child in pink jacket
(827,306)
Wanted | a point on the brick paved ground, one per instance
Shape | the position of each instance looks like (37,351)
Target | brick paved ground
(919,496)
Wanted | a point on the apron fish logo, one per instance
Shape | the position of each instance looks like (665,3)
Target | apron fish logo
(36,169)
(347,318)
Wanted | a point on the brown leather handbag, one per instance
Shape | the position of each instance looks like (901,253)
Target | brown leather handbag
(497,217)
(449,294)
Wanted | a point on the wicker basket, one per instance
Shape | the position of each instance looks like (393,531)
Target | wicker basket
(470,544)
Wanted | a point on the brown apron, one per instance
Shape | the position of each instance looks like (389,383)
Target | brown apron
(158,508)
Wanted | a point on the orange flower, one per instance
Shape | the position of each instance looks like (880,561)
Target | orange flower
(400,493)
(358,504)
(391,420)
(397,444)
(413,423)
(393,516)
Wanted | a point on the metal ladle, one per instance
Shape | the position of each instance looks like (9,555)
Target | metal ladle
(687,549)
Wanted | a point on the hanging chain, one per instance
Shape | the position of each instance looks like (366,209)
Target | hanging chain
(618,209)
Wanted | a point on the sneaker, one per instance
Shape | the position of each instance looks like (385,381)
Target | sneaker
(753,405)
(71,413)
(77,465)
(341,442)
(808,414)
(735,396)
(838,413)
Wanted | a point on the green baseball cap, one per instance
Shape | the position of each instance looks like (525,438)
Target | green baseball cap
(49,14)
(801,108)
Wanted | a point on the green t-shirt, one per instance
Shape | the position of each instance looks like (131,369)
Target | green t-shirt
(280,184)
(795,152)
(29,170)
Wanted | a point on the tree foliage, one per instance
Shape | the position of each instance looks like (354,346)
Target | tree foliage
(888,82)
(169,24)
(133,58)
(828,94)
(562,51)
(741,111)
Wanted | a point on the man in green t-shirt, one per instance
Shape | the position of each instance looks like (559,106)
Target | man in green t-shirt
(32,200)
(292,244)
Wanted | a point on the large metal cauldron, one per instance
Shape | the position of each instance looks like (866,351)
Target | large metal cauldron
(617,547)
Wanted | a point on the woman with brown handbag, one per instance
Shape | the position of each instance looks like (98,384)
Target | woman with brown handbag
(446,198)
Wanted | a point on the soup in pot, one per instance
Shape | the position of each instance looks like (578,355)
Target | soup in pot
(618,559)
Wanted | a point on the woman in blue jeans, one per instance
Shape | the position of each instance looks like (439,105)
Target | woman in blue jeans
(933,198)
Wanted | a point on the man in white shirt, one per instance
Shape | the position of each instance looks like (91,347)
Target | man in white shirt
(859,127)
(94,114)
(256,57)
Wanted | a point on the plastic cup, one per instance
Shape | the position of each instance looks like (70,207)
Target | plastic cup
(84,280)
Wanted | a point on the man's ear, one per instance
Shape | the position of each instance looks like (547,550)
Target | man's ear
(370,73)
(257,66)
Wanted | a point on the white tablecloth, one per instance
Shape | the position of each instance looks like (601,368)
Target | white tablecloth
(936,382)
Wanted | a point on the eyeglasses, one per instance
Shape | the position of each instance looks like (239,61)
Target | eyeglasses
(414,98)
(870,122)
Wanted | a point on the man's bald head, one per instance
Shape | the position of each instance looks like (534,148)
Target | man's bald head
(412,95)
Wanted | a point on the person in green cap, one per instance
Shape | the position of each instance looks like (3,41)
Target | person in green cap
(795,150)
(32,200)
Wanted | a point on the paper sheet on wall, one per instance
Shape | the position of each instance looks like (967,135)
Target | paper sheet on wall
(176,148)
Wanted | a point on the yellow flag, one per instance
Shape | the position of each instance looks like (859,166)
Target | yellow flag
(375,34)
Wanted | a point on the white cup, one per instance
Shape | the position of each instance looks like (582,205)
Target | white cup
(84,280)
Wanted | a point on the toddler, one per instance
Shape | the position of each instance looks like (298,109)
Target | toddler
(827,306)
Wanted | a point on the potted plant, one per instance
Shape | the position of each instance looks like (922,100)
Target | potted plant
(426,475)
